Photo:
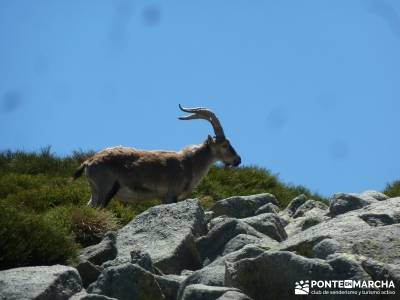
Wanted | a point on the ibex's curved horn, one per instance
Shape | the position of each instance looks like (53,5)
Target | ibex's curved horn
(205,114)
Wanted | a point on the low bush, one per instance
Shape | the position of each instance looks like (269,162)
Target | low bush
(87,224)
(126,212)
(50,194)
(34,163)
(393,189)
(221,183)
(28,239)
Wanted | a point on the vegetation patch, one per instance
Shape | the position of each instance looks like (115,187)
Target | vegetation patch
(221,183)
(43,214)
(393,189)
(28,238)
(87,224)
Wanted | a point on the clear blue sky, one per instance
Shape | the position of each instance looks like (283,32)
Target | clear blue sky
(307,89)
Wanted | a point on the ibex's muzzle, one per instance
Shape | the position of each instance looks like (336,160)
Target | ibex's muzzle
(237,161)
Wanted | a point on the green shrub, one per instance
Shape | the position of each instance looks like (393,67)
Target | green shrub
(126,212)
(30,239)
(51,193)
(393,189)
(34,163)
(11,183)
(226,182)
(87,224)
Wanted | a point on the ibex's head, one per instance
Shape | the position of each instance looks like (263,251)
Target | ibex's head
(220,145)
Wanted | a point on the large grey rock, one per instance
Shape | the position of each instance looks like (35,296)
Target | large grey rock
(242,206)
(169,285)
(125,282)
(82,295)
(187,273)
(88,272)
(208,215)
(309,205)
(238,242)
(371,231)
(387,211)
(295,204)
(205,292)
(374,194)
(341,203)
(301,214)
(254,277)
(44,282)
(167,233)
(304,241)
(312,221)
(309,218)
(142,259)
(382,271)
(214,221)
(234,295)
(379,243)
(323,248)
(139,257)
(269,224)
(267,208)
(101,252)
(214,273)
(212,245)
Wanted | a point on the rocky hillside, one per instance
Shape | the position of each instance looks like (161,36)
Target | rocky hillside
(244,247)
(38,199)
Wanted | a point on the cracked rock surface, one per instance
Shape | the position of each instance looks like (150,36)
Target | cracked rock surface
(245,247)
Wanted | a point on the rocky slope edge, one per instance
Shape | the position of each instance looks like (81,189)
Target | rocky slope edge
(243,248)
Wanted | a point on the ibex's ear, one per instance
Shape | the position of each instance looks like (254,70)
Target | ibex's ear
(210,140)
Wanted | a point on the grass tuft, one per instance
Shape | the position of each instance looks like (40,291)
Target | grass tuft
(87,224)
(393,189)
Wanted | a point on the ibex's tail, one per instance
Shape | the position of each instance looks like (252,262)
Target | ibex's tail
(79,171)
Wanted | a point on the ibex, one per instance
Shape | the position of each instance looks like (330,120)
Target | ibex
(136,175)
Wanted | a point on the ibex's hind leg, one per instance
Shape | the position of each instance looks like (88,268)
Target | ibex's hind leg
(94,199)
(169,198)
(102,193)
(111,193)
